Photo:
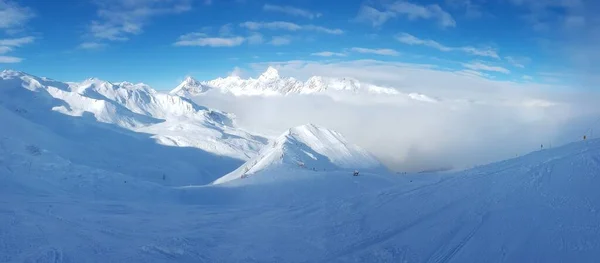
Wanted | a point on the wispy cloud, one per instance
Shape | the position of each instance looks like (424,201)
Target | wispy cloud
(203,40)
(282,25)
(328,54)
(9,59)
(476,65)
(255,38)
(13,15)
(472,10)
(16,42)
(13,19)
(412,40)
(415,11)
(91,45)
(290,10)
(118,20)
(382,51)
(406,9)
(4,50)
(280,40)
(373,16)
(518,62)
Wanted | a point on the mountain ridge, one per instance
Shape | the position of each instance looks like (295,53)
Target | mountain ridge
(307,147)
(270,83)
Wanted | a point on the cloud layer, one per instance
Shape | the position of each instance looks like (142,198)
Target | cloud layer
(474,120)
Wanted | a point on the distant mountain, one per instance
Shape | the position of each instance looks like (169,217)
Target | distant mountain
(270,83)
(140,127)
(307,147)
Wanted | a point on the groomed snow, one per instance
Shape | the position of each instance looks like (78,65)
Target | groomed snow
(537,208)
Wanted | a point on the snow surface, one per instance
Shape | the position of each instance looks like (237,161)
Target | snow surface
(307,147)
(124,127)
(78,183)
(270,83)
(542,207)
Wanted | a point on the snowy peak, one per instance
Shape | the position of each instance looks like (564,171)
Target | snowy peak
(270,74)
(189,86)
(308,147)
(270,83)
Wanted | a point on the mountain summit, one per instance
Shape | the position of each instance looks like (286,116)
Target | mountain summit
(270,74)
(307,147)
(189,86)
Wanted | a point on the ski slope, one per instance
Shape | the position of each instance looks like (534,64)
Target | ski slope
(542,207)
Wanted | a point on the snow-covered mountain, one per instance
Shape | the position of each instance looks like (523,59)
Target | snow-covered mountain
(103,119)
(307,147)
(190,87)
(270,83)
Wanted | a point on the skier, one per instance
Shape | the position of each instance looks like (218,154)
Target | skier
(584,137)
(355,173)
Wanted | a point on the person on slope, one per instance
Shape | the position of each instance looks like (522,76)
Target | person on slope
(355,173)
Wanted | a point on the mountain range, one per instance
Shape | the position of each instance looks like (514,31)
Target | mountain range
(270,83)
(142,128)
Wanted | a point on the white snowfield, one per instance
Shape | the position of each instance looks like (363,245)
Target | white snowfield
(306,147)
(124,127)
(80,183)
(270,83)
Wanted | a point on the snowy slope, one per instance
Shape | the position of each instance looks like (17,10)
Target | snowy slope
(270,83)
(307,147)
(125,128)
(541,207)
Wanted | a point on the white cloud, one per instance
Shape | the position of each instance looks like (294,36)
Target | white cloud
(13,18)
(280,40)
(321,29)
(518,62)
(472,10)
(12,15)
(328,54)
(255,38)
(475,120)
(226,30)
(117,20)
(412,40)
(281,25)
(91,45)
(9,59)
(481,66)
(290,10)
(16,42)
(415,11)
(271,25)
(381,51)
(9,44)
(204,41)
(374,16)
(406,9)
(4,49)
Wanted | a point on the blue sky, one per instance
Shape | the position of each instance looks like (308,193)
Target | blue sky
(159,42)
